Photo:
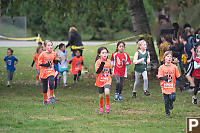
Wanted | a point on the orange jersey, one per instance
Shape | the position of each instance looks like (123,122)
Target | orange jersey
(36,61)
(44,57)
(76,64)
(104,77)
(172,71)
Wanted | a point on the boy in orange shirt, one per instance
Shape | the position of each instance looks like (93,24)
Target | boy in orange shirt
(77,63)
(168,73)
(47,71)
(103,79)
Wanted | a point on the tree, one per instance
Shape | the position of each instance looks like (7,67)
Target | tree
(141,27)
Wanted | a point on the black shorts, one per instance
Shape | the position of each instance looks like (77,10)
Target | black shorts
(189,69)
(101,89)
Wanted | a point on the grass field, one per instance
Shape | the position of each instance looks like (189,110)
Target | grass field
(21,108)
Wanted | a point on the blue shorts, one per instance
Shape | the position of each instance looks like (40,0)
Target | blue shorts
(62,70)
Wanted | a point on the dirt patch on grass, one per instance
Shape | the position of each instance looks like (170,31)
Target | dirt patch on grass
(55,118)
(131,111)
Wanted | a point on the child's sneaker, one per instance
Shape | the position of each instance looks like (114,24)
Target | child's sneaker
(168,116)
(101,110)
(107,108)
(120,97)
(194,100)
(52,100)
(45,103)
(65,84)
(134,95)
(146,93)
(116,97)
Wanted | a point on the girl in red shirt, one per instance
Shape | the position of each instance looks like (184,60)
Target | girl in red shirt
(103,79)
(120,60)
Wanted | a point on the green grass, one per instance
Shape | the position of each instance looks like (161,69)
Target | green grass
(21,108)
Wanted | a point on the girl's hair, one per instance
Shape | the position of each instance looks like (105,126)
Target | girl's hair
(139,43)
(77,50)
(10,50)
(99,51)
(60,46)
(119,44)
(166,54)
(38,48)
(46,41)
(39,43)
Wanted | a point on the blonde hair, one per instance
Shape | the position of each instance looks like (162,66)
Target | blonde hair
(72,29)
(140,43)
(166,54)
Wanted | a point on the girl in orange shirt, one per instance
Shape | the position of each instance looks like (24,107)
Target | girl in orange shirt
(103,79)
(35,61)
(47,71)
(168,73)
(77,63)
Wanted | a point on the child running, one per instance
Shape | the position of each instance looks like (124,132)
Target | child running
(11,62)
(63,65)
(47,71)
(37,67)
(103,79)
(196,75)
(77,63)
(168,73)
(119,61)
(141,59)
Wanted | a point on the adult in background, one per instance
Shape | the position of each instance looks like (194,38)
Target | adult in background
(74,40)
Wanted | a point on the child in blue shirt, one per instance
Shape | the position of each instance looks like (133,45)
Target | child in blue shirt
(10,61)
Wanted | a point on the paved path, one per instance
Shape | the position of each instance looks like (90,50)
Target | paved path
(7,43)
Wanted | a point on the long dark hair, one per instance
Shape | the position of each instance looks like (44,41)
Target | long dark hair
(60,46)
(99,51)
(119,44)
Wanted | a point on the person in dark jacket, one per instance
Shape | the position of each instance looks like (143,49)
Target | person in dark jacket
(74,40)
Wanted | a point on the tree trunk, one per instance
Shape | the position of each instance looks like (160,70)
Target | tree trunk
(141,26)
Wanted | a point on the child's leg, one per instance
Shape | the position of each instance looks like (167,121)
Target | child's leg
(121,84)
(51,85)
(107,96)
(45,87)
(75,77)
(8,78)
(107,93)
(196,82)
(172,97)
(117,78)
(145,78)
(166,100)
(55,82)
(101,98)
(137,80)
(65,77)
(79,74)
